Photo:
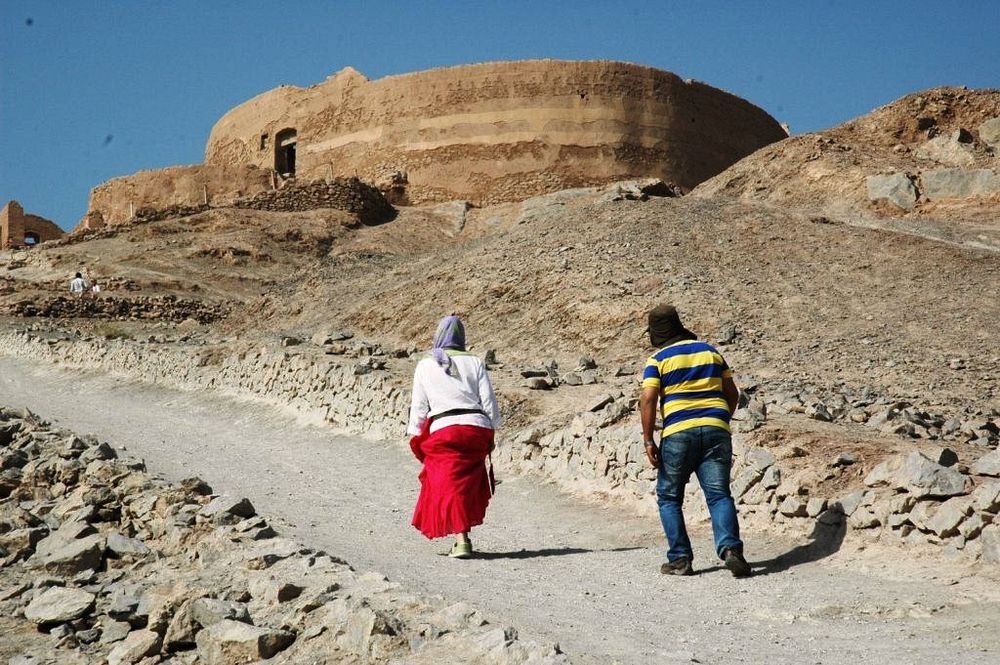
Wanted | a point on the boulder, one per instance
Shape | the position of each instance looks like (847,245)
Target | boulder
(138,645)
(988,464)
(209,611)
(896,188)
(20,543)
(274,591)
(918,475)
(844,459)
(121,546)
(949,516)
(772,477)
(64,558)
(986,497)
(537,383)
(758,458)
(971,527)
(850,503)
(746,479)
(947,150)
(572,379)
(815,507)
(792,506)
(227,509)
(600,402)
(270,552)
(959,183)
(863,518)
(989,133)
(123,599)
(990,539)
(114,631)
(59,605)
(231,642)
(940,455)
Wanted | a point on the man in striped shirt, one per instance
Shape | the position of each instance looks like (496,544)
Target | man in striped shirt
(691,385)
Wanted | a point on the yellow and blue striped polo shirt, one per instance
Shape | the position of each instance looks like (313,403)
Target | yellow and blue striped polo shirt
(689,377)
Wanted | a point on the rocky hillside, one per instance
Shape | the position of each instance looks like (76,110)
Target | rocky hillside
(930,156)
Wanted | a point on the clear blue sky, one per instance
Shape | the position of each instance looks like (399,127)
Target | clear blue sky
(94,90)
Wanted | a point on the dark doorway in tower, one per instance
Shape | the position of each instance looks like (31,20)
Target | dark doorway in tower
(284,153)
(31,239)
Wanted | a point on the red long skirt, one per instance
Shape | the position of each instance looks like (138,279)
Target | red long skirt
(455,486)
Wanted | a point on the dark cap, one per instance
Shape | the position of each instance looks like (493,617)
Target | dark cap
(665,326)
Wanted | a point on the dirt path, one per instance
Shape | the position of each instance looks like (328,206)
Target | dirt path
(559,569)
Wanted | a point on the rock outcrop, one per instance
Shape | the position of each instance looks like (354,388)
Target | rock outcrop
(929,154)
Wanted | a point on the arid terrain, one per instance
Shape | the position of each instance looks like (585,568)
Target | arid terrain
(863,334)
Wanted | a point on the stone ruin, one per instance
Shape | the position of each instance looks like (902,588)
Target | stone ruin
(485,133)
(20,229)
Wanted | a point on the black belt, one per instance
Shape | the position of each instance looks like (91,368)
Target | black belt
(457,412)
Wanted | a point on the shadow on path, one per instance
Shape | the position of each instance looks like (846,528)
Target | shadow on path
(824,541)
(531,554)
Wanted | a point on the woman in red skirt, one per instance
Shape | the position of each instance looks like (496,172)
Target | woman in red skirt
(452,417)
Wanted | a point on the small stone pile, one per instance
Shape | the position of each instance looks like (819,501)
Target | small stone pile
(105,306)
(350,194)
(100,562)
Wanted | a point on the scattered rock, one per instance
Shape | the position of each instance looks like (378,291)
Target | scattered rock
(231,642)
(67,558)
(59,605)
(990,539)
(949,150)
(228,509)
(919,476)
(538,383)
(986,497)
(959,183)
(138,645)
(988,465)
(122,546)
(209,611)
(896,188)
(949,516)
(989,133)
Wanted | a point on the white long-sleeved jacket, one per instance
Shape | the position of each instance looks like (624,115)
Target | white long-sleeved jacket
(468,387)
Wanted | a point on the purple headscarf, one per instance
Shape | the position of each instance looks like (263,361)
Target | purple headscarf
(450,335)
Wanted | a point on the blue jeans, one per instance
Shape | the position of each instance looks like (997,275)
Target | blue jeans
(708,453)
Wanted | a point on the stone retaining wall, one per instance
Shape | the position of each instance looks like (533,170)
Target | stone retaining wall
(918,497)
(104,306)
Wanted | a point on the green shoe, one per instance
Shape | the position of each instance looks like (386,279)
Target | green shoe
(461,550)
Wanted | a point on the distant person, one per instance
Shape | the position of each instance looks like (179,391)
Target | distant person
(453,415)
(691,385)
(96,288)
(78,286)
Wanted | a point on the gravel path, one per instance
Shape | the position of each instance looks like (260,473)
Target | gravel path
(558,568)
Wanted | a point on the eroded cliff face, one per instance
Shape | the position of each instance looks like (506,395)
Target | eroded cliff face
(498,131)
